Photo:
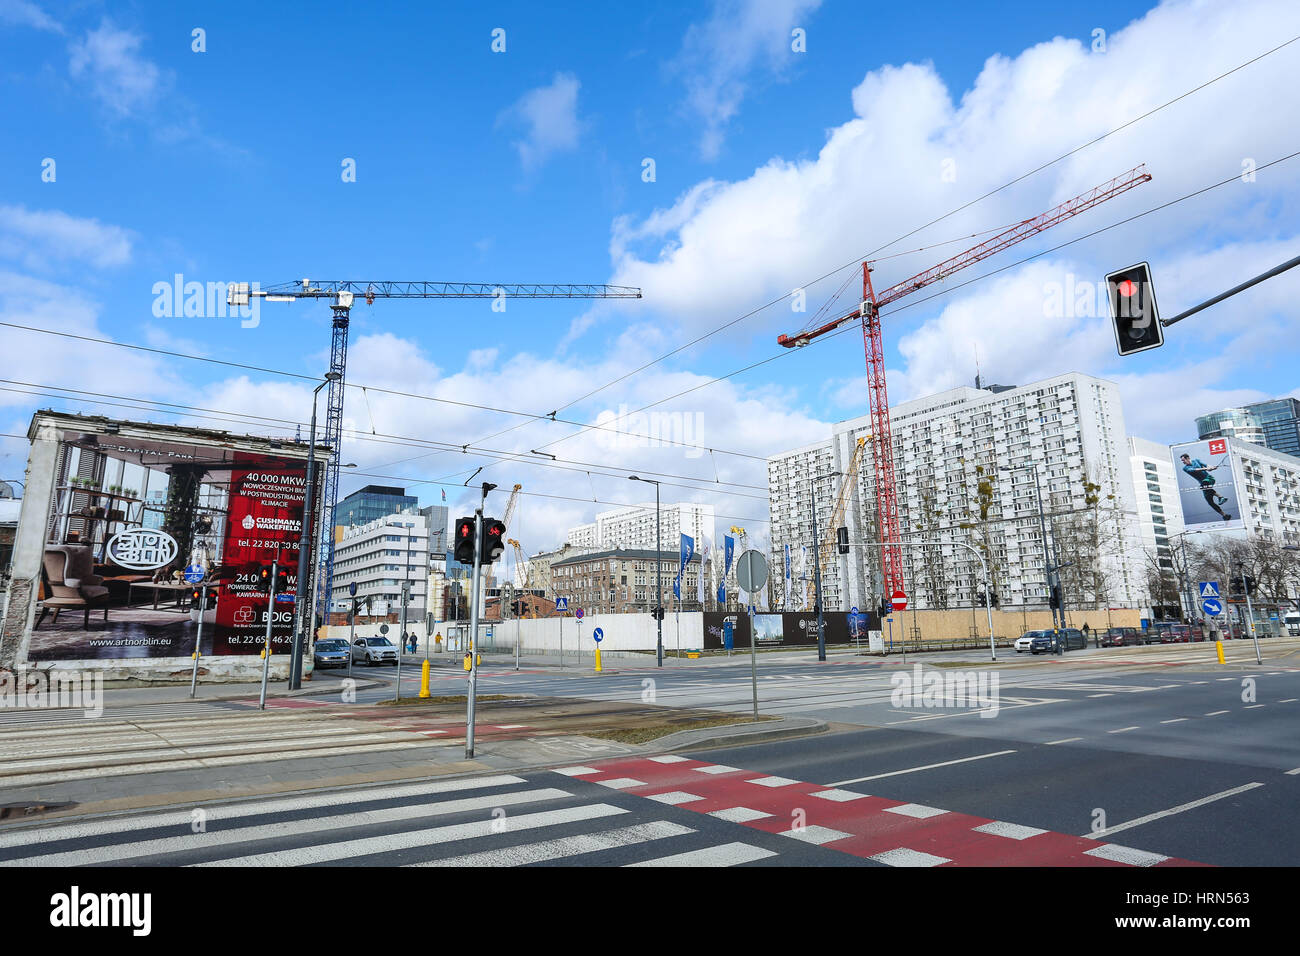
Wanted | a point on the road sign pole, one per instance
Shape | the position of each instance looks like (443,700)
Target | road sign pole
(203,605)
(753,663)
(1250,617)
(473,625)
(270,616)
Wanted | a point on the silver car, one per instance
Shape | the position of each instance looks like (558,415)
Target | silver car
(1025,642)
(374,650)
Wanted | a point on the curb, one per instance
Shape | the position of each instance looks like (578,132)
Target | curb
(739,734)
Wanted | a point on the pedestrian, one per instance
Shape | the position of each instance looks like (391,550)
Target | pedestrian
(1085,635)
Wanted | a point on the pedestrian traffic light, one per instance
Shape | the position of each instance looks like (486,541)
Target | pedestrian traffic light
(842,539)
(1133,310)
(282,579)
(465,540)
(885,609)
(494,539)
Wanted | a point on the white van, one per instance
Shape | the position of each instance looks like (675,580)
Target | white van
(1292,621)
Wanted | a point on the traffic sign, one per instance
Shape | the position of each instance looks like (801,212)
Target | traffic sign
(853,611)
(899,601)
(562,604)
(194,574)
(352,589)
(383,628)
(751,571)
(578,614)
(1212,607)
(1209,589)
(598,634)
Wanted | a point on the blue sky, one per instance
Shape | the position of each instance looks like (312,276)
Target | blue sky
(771,167)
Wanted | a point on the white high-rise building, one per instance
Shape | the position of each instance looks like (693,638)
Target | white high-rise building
(378,556)
(1159,512)
(950,450)
(633,527)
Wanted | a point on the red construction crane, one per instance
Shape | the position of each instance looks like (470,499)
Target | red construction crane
(868,313)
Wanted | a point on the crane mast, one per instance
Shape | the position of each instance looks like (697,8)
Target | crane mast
(868,313)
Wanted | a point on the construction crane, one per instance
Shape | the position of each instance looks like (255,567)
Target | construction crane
(510,505)
(828,541)
(340,294)
(521,570)
(868,313)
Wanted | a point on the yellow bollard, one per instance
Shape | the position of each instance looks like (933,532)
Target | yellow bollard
(424,680)
(598,660)
(1218,645)
(479,661)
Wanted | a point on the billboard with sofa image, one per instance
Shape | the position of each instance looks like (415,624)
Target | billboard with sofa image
(135,515)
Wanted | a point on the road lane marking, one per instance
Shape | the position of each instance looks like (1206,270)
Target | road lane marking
(1252,706)
(1064,740)
(1181,808)
(916,810)
(905,857)
(729,854)
(575,771)
(1012,831)
(839,796)
(816,835)
(1215,713)
(414,839)
(739,814)
(1289,700)
(1123,730)
(667,758)
(772,781)
(1175,720)
(674,797)
(567,846)
(716,768)
(1125,854)
(1293,773)
(622,783)
(1100,695)
(931,766)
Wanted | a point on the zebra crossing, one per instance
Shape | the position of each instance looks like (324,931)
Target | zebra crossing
(496,820)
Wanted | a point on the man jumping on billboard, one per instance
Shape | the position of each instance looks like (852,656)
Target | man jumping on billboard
(1201,472)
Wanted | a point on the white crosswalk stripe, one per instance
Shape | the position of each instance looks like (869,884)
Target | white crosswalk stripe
(481,821)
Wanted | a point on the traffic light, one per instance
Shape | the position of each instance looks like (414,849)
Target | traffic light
(885,609)
(995,599)
(264,576)
(1133,309)
(494,540)
(1055,600)
(1250,584)
(282,579)
(842,539)
(465,540)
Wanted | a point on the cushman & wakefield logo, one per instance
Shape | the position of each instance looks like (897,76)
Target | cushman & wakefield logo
(142,549)
(75,909)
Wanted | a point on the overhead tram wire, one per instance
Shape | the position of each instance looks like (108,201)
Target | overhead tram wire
(262,421)
(858,260)
(945,291)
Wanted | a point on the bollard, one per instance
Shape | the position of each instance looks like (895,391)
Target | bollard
(1218,645)
(598,660)
(424,680)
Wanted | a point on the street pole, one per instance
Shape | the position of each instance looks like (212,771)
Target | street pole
(659,584)
(753,665)
(473,626)
(306,545)
(352,635)
(270,616)
(203,606)
(817,572)
(1250,616)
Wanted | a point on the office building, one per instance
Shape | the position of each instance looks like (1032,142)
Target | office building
(622,580)
(378,556)
(1274,424)
(371,502)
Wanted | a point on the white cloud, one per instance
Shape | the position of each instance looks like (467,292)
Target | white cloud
(26,14)
(41,238)
(549,115)
(719,56)
(109,59)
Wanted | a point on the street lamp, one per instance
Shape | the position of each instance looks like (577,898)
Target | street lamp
(817,564)
(305,539)
(1042,530)
(659,575)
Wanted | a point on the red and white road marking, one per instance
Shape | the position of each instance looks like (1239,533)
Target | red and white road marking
(893,832)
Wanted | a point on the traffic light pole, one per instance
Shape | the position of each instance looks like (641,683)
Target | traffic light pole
(1276,270)
(473,623)
(203,606)
(270,617)
(1250,615)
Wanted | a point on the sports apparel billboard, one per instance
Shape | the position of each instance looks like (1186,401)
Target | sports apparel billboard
(1207,485)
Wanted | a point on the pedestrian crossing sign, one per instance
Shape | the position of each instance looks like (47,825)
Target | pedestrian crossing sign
(1209,589)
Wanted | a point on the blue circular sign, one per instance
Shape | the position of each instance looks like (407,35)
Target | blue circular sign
(598,635)
(1212,607)
(194,574)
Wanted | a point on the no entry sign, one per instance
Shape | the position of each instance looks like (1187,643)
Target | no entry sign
(899,601)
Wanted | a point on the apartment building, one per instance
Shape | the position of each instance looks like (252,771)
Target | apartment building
(965,462)
(622,580)
(1159,510)
(379,556)
(634,527)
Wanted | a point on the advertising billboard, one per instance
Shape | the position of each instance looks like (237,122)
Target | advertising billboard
(1207,486)
(788,628)
(134,513)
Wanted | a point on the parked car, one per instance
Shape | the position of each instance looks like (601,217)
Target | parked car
(1045,642)
(1025,640)
(1120,637)
(374,650)
(331,652)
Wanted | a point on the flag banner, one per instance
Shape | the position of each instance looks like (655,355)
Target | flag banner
(699,577)
(787,577)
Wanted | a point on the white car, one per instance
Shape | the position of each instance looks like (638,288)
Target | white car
(1023,643)
(374,650)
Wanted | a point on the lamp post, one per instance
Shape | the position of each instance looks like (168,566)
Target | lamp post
(817,563)
(306,539)
(659,575)
(1048,561)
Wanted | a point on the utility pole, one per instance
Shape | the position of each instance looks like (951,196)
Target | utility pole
(473,626)
(659,578)
(817,564)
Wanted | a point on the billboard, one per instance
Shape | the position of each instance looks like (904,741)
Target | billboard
(1207,485)
(132,508)
(788,629)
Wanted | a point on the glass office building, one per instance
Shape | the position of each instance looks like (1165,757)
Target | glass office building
(1274,424)
(372,503)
